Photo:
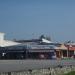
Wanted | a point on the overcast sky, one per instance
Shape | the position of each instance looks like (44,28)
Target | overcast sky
(27,19)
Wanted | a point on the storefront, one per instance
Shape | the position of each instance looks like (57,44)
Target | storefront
(61,51)
(41,52)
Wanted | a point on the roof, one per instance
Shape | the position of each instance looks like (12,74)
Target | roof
(5,43)
(37,41)
(62,47)
(46,41)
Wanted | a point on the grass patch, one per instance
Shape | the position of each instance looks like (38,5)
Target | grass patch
(70,73)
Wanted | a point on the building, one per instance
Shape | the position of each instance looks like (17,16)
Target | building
(34,49)
(26,49)
(61,51)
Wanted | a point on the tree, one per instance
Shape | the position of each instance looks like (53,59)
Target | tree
(42,36)
(45,37)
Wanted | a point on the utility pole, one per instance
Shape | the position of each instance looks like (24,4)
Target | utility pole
(67,51)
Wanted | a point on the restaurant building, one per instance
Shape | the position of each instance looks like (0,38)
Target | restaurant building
(34,49)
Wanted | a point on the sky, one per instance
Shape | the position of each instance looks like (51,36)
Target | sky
(27,19)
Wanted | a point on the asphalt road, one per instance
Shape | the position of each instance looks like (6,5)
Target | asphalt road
(21,65)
